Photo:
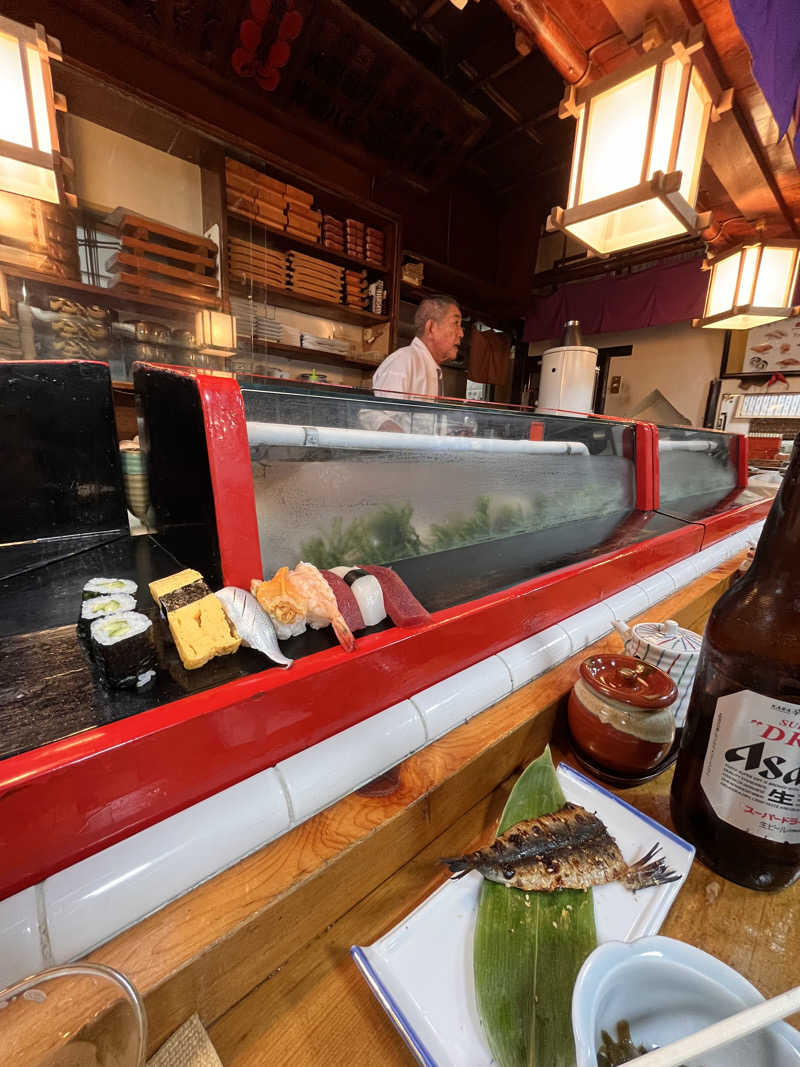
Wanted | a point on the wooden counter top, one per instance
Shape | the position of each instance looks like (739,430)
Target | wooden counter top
(262,950)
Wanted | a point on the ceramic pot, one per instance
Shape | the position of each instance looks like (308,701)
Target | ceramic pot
(670,648)
(620,713)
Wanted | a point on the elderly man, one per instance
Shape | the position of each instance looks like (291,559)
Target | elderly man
(415,369)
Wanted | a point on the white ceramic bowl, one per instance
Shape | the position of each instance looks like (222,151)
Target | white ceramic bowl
(667,989)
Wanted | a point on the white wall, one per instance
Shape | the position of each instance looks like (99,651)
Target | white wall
(677,360)
(112,170)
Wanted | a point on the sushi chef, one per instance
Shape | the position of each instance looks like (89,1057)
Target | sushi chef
(415,370)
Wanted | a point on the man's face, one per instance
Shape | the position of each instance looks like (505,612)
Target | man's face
(443,338)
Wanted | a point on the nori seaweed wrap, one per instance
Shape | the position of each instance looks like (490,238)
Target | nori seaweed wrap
(123,648)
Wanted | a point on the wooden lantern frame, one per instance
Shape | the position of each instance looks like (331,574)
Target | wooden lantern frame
(745,308)
(663,186)
(207,324)
(50,160)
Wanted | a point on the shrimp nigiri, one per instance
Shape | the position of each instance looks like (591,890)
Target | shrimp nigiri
(321,606)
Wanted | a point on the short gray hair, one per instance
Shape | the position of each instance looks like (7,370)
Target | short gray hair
(432,307)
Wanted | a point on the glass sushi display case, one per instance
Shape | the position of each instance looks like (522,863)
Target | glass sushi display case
(703,478)
(428,546)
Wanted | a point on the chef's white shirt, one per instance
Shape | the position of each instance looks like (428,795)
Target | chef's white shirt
(410,371)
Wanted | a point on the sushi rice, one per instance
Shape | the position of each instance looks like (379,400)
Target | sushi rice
(108,587)
(123,648)
(99,606)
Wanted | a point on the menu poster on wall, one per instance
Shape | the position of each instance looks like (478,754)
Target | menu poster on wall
(775,346)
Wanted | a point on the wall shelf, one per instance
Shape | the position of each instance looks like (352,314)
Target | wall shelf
(325,309)
(307,355)
(100,294)
(242,225)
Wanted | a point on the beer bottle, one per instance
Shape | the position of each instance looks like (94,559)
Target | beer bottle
(736,789)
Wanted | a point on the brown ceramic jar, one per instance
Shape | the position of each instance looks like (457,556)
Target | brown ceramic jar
(620,713)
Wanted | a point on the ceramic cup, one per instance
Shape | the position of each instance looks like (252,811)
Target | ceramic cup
(670,648)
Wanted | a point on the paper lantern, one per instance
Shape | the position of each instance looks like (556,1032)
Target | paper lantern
(638,148)
(751,285)
(29,157)
(215,332)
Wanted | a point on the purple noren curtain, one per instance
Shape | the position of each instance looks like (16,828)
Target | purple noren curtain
(655,297)
(771,29)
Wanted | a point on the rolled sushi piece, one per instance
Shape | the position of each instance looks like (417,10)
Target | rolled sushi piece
(108,587)
(368,593)
(252,623)
(123,649)
(97,607)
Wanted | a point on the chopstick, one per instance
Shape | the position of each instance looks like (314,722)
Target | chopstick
(722,1033)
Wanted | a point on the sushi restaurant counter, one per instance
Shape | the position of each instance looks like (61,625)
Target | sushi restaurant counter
(261,951)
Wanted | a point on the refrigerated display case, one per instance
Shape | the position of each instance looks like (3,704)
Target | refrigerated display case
(500,521)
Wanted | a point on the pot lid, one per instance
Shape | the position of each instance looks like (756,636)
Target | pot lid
(630,681)
(669,637)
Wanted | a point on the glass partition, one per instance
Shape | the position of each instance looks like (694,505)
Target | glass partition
(466,491)
(696,463)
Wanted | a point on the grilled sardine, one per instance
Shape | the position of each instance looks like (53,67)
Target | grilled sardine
(567,849)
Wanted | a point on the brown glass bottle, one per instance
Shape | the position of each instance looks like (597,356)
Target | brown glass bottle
(736,789)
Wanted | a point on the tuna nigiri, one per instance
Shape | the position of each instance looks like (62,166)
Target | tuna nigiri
(345,598)
(403,607)
(252,623)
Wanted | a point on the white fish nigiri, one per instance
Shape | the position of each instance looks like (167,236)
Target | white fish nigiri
(367,591)
(252,623)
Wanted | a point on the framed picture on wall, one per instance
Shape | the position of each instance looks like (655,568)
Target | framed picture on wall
(775,346)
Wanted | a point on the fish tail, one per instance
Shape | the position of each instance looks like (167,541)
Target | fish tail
(459,865)
(649,871)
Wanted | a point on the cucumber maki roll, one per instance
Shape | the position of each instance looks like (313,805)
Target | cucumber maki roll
(97,607)
(123,649)
(108,587)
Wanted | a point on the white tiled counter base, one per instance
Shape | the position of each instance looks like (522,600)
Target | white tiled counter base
(81,907)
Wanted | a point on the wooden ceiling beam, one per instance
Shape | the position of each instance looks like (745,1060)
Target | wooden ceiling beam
(551,37)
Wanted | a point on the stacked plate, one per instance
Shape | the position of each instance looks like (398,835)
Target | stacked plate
(137,486)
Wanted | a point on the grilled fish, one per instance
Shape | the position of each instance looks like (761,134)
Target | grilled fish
(567,849)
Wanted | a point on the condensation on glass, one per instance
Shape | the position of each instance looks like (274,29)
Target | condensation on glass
(332,488)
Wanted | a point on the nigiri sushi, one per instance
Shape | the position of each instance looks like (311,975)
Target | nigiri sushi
(348,605)
(252,623)
(403,607)
(367,591)
(284,605)
(321,607)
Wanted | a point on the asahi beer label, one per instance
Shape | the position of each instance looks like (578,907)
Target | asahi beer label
(751,773)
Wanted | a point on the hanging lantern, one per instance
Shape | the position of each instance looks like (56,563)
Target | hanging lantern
(29,156)
(638,148)
(751,285)
(215,332)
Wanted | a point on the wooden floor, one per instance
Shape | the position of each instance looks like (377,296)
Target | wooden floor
(262,950)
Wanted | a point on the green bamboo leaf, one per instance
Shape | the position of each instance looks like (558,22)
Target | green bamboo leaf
(529,947)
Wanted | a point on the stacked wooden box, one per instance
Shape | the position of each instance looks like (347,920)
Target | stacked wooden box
(333,233)
(314,277)
(248,262)
(355,232)
(255,196)
(301,218)
(355,292)
(158,260)
(374,248)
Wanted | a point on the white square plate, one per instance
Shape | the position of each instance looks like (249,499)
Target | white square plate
(421,971)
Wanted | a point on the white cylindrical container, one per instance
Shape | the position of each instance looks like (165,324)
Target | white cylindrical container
(567,381)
